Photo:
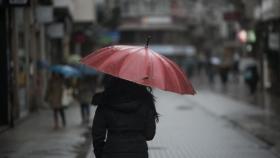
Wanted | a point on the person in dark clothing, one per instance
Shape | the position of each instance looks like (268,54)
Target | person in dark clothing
(251,77)
(224,70)
(124,120)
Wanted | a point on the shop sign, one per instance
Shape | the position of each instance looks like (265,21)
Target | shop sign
(274,41)
(251,36)
(44,14)
(157,20)
(55,30)
(232,16)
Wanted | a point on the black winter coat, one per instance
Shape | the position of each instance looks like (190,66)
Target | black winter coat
(121,128)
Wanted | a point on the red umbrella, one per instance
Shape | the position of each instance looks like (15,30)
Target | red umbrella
(141,65)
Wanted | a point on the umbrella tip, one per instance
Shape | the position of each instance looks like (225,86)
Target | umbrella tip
(148,40)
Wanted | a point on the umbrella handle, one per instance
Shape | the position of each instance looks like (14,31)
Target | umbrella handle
(147,42)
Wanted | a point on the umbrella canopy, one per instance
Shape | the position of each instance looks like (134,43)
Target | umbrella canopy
(140,65)
(65,70)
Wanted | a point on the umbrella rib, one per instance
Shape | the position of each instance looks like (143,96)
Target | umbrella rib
(167,65)
(119,62)
(125,60)
(181,73)
(175,69)
(162,72)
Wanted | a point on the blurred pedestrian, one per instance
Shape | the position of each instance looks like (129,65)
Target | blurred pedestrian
(212,64)
(226,64)
(202,61)
(235,67)
(84,95)
(251,77)
(248,65)
(224,71)
(54,98)
(189,66)
(124,120)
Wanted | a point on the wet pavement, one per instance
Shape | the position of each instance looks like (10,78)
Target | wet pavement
(195,126)
(207,125)
(35,138)
(259,114)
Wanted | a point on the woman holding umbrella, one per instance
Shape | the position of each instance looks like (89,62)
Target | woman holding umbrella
(127,112)
(126,115)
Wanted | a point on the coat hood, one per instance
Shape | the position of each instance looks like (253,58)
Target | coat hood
(123,104)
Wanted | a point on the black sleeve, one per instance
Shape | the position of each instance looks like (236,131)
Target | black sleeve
(98,131)
(150,126)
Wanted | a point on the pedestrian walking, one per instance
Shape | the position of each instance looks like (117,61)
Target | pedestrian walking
(248,66)
(127,112)
(126,115)
(54,98)
(224,71)
(189,66)
(211,66)
(251,78)
(235,66)
(201,64)
(84,95)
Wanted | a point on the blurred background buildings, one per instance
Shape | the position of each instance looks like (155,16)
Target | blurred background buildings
(37,33)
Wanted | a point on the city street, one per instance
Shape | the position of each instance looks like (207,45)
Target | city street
(57,54)
(190,126)
(204,126)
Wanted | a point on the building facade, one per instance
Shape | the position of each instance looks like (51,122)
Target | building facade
(34,35)
(165,22)
(267,16)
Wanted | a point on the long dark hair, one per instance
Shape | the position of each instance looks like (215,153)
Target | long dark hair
(119,88)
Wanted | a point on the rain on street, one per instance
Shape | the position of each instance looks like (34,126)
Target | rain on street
(63,59)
